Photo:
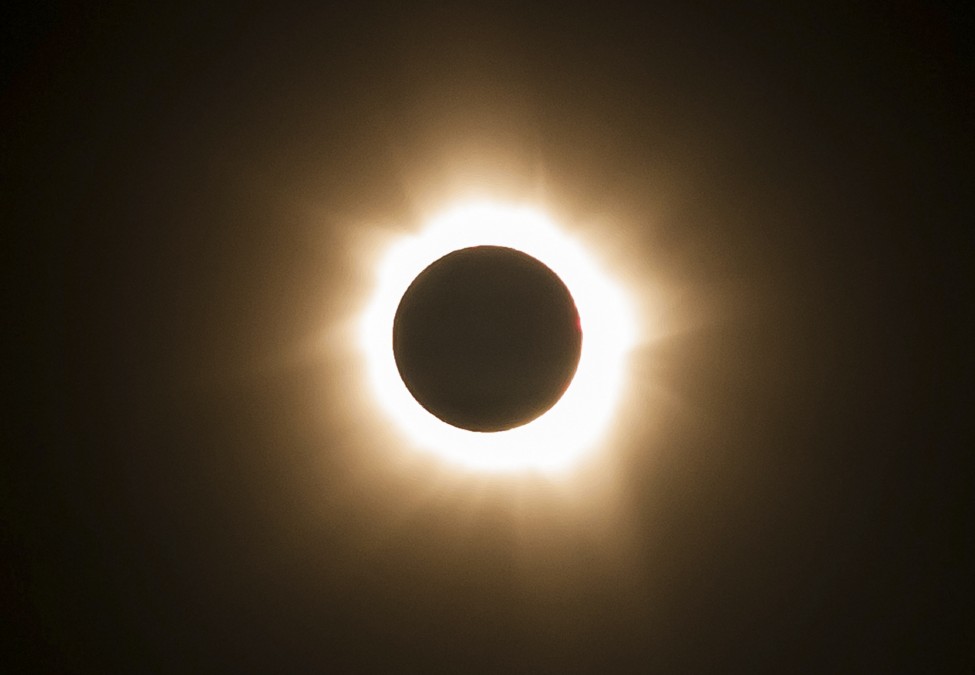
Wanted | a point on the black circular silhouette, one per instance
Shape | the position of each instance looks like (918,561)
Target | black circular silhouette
(487,338)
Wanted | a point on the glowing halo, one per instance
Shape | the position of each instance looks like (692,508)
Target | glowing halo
(576,422)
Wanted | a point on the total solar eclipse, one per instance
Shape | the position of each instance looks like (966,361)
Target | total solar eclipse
(487,338)
(495,340)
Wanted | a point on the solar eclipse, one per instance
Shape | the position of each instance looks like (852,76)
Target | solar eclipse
(229,443)
(503,273)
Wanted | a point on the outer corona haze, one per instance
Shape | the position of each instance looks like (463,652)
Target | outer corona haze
(578,421)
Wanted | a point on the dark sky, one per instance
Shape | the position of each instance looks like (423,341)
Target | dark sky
(182,195)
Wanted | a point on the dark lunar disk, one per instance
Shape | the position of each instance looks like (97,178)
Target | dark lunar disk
(487,338)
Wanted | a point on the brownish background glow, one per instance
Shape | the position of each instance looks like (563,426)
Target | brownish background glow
(196,477)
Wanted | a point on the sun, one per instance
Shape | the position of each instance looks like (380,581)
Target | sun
(570,429)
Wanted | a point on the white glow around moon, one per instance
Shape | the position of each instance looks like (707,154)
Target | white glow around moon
(578,421)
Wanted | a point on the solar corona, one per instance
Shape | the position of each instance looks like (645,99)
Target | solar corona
(496,341)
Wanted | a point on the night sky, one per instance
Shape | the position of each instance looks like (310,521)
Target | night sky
(195,477)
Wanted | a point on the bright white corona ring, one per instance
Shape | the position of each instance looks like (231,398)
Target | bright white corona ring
(575,425)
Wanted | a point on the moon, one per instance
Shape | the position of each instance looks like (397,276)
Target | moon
(487,338)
